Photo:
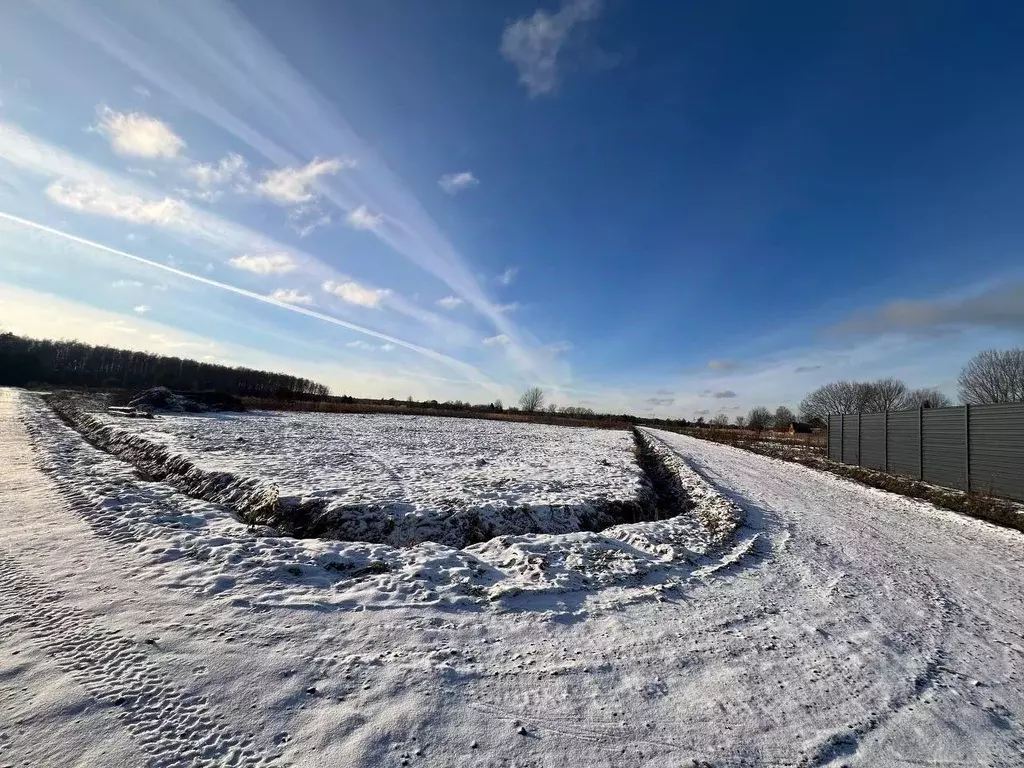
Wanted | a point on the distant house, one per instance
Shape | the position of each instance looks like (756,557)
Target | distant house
(799,428)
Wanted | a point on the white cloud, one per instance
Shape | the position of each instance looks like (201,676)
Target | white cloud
(104,201)
(291,296)
(506,308)
(508,276)
(533,44)
(450,302)
(361,218)
(126,284)
(135,134)
(295,184)
(230,168)
(141,309)
(142,91)
(266,264)
(501,340)
(354,293)
(456,182)
(387,347)
(558,348)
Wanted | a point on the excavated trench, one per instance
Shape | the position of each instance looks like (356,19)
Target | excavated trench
(259,503)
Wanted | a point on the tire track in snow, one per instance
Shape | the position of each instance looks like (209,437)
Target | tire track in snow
(174,727)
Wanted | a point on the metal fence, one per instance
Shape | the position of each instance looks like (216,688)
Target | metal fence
(976,448)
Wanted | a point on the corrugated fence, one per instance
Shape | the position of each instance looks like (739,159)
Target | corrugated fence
(976,448)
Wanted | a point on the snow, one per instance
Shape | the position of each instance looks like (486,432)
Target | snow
(398,480)
(837,625)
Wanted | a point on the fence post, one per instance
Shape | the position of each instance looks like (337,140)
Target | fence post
(842,438)
(885,440)
(860,436)
(920,443)
(967,443)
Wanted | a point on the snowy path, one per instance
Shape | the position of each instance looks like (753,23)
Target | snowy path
(867,630)
(899,623)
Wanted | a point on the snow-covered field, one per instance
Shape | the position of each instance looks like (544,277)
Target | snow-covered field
(838,625)
(400,480)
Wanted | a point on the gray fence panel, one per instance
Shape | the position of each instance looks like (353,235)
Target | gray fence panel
(997,449)
(851,438)
(834,438)
(904,455)
(945,447)
(872,440)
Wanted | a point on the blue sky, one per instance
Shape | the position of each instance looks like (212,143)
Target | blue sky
(673,209)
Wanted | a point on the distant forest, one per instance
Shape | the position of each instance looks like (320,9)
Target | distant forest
(26,362)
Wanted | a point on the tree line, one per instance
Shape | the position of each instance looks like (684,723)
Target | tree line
(26,362)
(992,376)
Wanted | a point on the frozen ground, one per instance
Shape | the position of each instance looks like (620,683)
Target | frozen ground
(397,480)
(844,626)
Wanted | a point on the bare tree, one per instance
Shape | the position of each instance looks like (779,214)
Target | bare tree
(740,421)
(720,420)
(834,397)
(993,376)
(759,418)
(531,400)
(552,408)
(496,405)
(926,397)
(783,418)
(883,395)
(852,397)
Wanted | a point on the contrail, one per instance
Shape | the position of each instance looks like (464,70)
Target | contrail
(458,365)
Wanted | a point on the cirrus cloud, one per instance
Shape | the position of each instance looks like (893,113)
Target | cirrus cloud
(453,183)
(501,340)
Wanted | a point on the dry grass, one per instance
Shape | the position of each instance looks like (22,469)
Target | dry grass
(316,406)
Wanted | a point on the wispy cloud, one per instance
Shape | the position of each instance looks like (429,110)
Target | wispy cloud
(357,294)
(999,307)
(265,264)
(141,309)
(660,401)
(291,296)
(134,134)
(241,84)
(724,394)
(558,348)
(104,201)
(370,347)
(501,340)
(294,185)
(512,306)
(807,368)
(508,276)
(453,183)
(361,218)
(450,302)
(471,373)
(232,168)
(722,365)
(533,44)
(127,284)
